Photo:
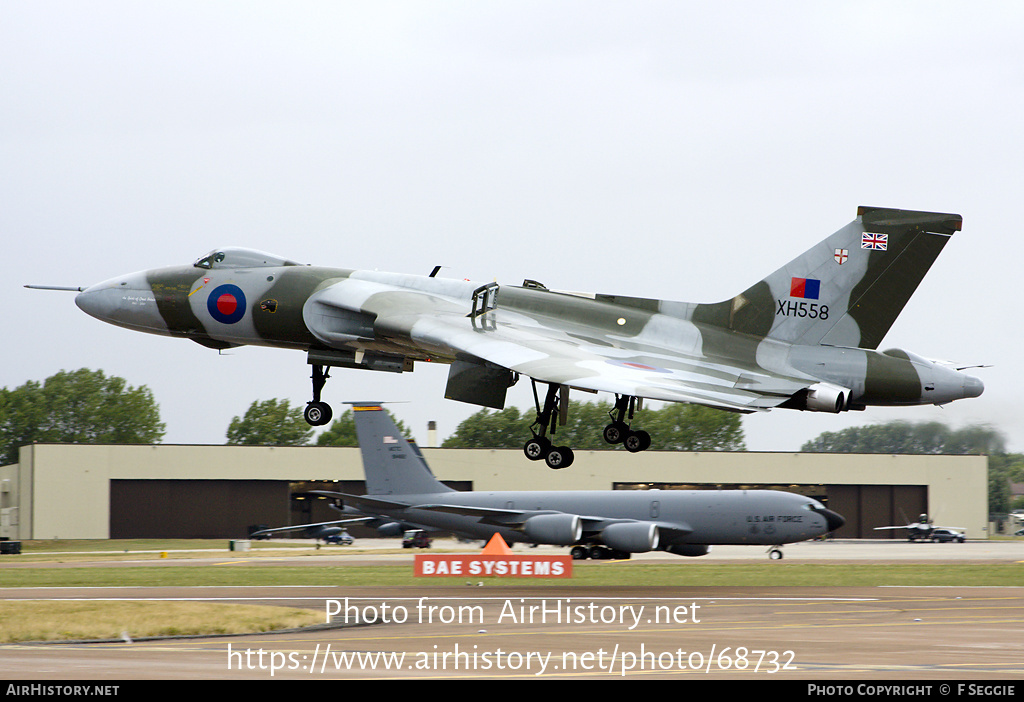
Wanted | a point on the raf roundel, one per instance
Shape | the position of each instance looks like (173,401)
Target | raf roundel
(226,304)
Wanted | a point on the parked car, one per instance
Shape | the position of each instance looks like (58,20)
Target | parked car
(944,535)
(416,538)
(343,538)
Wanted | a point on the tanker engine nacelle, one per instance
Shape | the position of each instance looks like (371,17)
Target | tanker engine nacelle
(391,529)
(560,529)
(632,537)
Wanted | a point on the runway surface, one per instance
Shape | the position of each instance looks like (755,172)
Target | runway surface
(561,631)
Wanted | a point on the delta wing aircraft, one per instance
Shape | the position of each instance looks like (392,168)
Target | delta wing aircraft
(403,493)
(319,531)
(804,338)
(921,530)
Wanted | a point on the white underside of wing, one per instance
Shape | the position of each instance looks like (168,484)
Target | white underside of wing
(649,365)
(607,363)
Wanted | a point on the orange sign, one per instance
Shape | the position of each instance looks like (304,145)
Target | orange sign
(496,560)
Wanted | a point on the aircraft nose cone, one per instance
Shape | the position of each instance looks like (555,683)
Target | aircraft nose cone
(973,386)
(126,302)
(833,520)
(95,303)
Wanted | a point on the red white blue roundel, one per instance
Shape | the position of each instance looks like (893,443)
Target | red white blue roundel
(226,304)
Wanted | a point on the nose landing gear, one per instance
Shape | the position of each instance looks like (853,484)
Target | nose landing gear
(318,413)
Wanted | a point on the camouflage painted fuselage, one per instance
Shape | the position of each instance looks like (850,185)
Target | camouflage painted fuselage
(805,337)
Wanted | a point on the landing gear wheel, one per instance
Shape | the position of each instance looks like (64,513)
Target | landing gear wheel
(560,457)
(318,414)
(637,441)
(537,448)
(775,554)
(578,553)
(615,432)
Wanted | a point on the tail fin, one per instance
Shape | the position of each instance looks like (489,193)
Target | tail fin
(393,465)
(848,289)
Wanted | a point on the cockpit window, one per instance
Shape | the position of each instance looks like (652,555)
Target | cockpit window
(210,259)
(242,258)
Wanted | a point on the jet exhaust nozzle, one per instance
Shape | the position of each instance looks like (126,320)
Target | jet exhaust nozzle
(825,397)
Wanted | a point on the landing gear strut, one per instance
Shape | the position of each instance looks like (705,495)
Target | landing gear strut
(318,413)
(619,432)
(540,446)
(598,553)
(557,398)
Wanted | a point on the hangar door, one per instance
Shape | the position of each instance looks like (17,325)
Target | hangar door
(194,509)
(868,506)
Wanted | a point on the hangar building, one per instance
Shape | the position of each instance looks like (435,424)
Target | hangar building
(189,491)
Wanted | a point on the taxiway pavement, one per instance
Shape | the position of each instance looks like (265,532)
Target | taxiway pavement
(559,631)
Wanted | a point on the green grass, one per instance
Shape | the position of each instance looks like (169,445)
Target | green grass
(67,621)
(103,550)
(768,574)
(51,546)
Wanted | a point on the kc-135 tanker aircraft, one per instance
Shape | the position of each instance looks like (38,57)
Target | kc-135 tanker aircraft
(403,493)
(804,338)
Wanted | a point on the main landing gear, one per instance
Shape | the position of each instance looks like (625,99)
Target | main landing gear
(318,413)
(618,432)
(540,446)
(598,553)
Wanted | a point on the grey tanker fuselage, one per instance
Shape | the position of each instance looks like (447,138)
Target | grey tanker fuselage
(805,337)
(402,493)
(738,517)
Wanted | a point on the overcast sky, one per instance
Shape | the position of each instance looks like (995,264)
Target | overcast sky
(677,150)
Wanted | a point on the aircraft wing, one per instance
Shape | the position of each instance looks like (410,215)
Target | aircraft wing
(516,517)
(275,530)
(365,502)
(488,515)
(647,362)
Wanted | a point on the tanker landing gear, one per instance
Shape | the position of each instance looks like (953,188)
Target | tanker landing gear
(775,553)
(318,413)
(597,553)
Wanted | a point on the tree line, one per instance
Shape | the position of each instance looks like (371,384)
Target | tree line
(86,406)
(77,407)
